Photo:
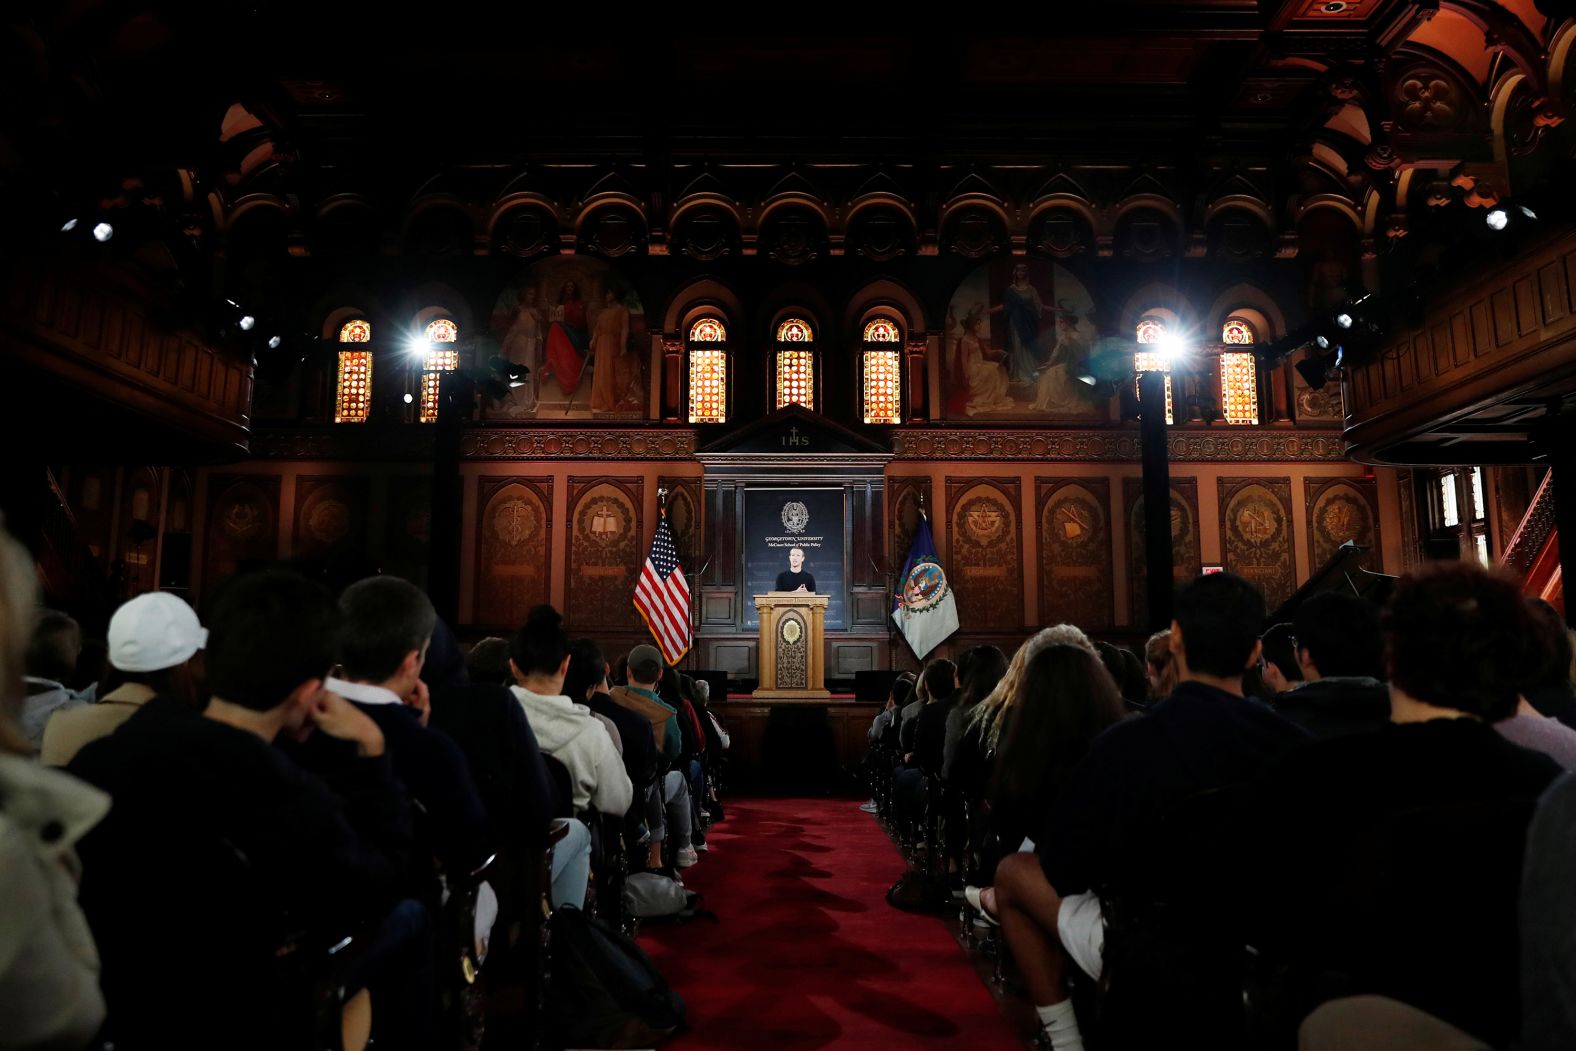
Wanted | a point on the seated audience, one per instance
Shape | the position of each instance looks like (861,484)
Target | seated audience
(51,661)
(387,630)
(1552,690)
(488,662)
(1204,736)
(1159,668)
(218,845)
(668,799)
(979,671)
(571,734)
(1400,851)
(1341,658)
(586,683)
(1278,665)
(938,682)
(883,732)
(152,642)
(49,968)
(1548,923)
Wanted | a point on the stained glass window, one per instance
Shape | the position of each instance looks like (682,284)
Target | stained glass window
(795,330)
(1447,499)
(708,330)
(882,330)
(1238,332)
(353,392)
(1153,330)
(1239,388)
(439,360)
(796,378)
(708,386)
(357,331)
(882,386)
(1475,484)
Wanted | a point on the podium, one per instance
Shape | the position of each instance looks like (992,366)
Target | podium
(791,655)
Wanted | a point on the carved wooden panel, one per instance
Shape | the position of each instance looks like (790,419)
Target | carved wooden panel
(1256,534)
(684,519)
(1342,509)
(514,545)
(793,651)
(243,516)
(330,519)
(1075,552)
(91,495)
(139,524)
(904,498)
(1186,561)
(986,552)
(605,553)
(407,535)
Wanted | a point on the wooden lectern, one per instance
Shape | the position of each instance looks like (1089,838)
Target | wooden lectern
(791,654)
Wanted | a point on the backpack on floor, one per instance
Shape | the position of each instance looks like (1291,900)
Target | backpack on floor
(648,895)
(603,990)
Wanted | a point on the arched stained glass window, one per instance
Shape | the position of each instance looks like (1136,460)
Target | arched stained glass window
(1152,330)
(708,371)
(795,378)
(881,372)
(440,359)
(1238,332)
(1239,388)
(882,330)
(353,385)
(708,330)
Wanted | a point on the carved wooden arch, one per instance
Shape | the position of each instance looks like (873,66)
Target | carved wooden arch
(1474,94)
(884,296)
(233,212)
(975,199)
(879,199)
(1065,202)
(704,199)
(1246,296)
(340,202)
(1155,294)
(1373,205)
(434,300)
(794,198)
(1241,202)
(1560,46)
(1149,200)
(701,296)
(1504,33)
(435,202)
(519,199)
(609,199)
(788,298)
(335,319)
(1332,201)
(1501,97)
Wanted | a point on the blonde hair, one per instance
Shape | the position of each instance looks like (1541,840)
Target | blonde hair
(1157,655)
(18,607)
(990,713)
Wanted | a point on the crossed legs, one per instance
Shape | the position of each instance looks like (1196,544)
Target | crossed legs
(1026,905)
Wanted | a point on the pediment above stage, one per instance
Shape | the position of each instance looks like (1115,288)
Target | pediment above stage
(794,437)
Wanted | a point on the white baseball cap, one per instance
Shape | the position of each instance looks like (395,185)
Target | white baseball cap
(153,632)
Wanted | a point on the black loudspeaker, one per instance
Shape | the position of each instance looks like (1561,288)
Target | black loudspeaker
(874,685)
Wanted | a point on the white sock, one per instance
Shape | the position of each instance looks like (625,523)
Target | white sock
(1060,1025)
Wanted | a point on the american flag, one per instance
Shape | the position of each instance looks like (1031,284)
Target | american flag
(662,596)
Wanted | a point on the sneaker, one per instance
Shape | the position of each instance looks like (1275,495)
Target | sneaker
(685,857)
(869,808)
(702,848)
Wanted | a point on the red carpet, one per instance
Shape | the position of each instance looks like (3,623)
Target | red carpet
(808,954)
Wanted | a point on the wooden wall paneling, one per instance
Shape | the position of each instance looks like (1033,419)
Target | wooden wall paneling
(514,544)
(329,519)
(242,525)
(1075,552)
(605,556)
(905,495)
(986,550)
(1342,509)
(1256,530)
(408,528)
(1186,560)
(141,500)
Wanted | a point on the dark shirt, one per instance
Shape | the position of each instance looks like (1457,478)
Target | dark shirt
(969,767)
(1548,923)
(216,852)
(634,730)
(930,735)
(788,580)
(1336,707)
(505,761)
(1396,859)
(1200,738)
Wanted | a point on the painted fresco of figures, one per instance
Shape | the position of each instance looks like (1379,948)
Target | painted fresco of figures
(1026,330)
(579,327)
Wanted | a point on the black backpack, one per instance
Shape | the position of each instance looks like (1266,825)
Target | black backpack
(603,990)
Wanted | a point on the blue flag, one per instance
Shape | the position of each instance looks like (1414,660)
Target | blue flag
(923,606)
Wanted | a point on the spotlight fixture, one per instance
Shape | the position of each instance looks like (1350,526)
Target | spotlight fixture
(1343,319)
(103,232)
(68,226)
(1170,346)
(1497,218)
(1528,212)
(273,342)
(1322,341)
(247,322)
(1312,370)
(409,398)
(418,346)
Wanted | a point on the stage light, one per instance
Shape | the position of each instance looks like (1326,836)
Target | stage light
(247,322)
(418,346)
(1343,319)
(1528,212)
(1170,346)
(273,342)
(1089,378)
(1497,219)
(1312,370)
(70,225)
(409,397)
(103,232)
(1322,341)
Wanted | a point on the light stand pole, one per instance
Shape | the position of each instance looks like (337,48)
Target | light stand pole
(448,492)
(1157,497)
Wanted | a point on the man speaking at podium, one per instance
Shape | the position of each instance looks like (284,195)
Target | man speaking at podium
(794,578)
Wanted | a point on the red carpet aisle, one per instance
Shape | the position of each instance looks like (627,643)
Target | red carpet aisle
(808,954)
